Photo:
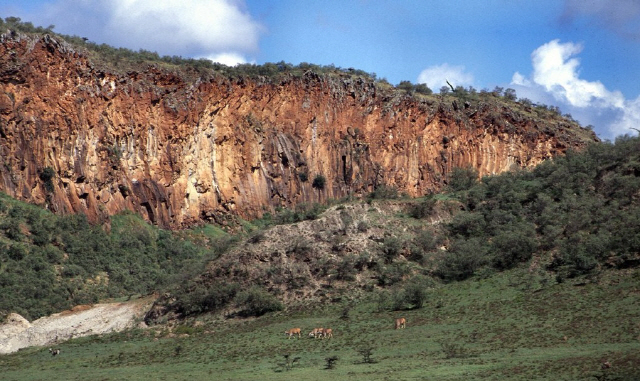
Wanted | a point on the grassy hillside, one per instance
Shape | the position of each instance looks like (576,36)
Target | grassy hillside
(502,328)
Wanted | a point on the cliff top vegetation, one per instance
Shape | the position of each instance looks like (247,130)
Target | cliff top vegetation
(122,60)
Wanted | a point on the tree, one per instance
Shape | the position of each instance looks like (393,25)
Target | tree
(510,94)
(405,85)
(422,88)
(462,179)
(319,182)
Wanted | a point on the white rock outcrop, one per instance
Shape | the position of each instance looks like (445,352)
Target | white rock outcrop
(18,333)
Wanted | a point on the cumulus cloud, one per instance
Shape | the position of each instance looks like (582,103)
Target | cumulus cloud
(229,59)
(556,76)
(437,76)
(619,16)
(191,28)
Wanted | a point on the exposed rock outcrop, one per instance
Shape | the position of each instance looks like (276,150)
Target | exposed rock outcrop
(17,332)
(179,150)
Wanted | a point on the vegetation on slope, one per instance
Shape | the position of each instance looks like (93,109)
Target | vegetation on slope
(570,217)
(50,263)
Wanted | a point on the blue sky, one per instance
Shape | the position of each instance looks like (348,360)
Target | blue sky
(580,55)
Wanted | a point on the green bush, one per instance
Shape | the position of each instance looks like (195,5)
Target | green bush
(256,302)
(346,268)
(461,179)
(463,259)
(466,224)
(426,240)
(319,182)
(384,192)
(196,298)
(393,274)
(416,291)
(513,246)
(391,248)
(422,209)
(47,175)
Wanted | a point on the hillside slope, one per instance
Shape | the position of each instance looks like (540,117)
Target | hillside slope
(181,146)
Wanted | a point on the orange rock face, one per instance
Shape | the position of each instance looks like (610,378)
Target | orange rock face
(179,151)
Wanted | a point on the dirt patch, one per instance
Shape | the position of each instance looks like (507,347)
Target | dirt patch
(76,309)
(80,321)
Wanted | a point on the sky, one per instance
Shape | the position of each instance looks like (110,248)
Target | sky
(582,56)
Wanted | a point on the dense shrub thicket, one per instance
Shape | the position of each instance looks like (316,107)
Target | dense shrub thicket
(582,208)
(50,263)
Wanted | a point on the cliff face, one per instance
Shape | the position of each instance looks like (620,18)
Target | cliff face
(76,138)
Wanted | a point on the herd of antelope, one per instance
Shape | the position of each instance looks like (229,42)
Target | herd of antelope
(328,332)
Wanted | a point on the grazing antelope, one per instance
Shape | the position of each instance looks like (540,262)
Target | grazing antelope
(401,323)
(293,332)
(316,332)
(54,352)
(327,332)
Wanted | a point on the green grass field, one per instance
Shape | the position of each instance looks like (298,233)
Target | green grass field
(505,327)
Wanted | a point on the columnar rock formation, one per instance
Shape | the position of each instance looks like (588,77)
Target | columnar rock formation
(79,139)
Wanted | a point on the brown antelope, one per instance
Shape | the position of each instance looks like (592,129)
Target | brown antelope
(293,332)
(316,332)
(327,332)
(401,323)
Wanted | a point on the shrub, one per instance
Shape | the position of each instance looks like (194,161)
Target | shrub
(331,362)
(461,179)
(514,246)
(426,240)
(383,192)
(415,292)
(466,224)
(391,248)
(362,226)
(346,269)
(319,182)
(366,351)
(392,274)
(422,209)
(383,301)
(17,251)
(422,88)
(464,258)
(256,302)
(47,176)
(194,297)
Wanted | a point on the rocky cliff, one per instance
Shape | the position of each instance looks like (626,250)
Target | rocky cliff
(181,148)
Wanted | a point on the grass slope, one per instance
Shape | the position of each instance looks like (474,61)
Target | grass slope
(510,326)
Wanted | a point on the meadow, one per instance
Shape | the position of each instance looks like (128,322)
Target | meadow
(514,325)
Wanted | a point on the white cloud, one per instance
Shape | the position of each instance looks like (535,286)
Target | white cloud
(229,59)
(189,28)
(556,75)
(437,76)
